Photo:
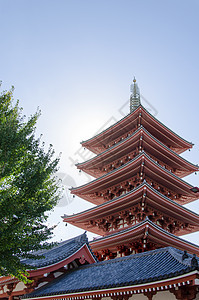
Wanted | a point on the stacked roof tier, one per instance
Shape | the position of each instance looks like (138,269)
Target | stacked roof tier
(129,124)
(130,147)
(142,237)
(138,188)
(133,207)
(130,175)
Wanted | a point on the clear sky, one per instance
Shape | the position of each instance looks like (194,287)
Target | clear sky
(75,59)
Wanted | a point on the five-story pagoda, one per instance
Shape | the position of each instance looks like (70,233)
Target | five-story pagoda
(138,191)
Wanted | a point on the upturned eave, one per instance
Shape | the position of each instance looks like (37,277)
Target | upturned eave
(146,273)
(125,202)
(96,143)
(154,233)
(151,169)
(153,146)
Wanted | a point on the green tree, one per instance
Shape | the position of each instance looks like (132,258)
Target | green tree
(28,188)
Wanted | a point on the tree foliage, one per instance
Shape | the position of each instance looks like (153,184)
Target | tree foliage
(28,188)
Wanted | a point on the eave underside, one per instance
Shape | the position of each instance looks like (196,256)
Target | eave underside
(42,275)
(135,206)
(130,147)
(141,169)
(129,124)
(140,238)
(144,273)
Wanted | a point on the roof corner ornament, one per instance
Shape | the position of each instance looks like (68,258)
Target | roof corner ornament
(135,96)
(194,261)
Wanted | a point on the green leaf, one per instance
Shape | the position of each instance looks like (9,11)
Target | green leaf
(28,188)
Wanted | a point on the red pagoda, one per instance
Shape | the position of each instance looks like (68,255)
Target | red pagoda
(139,215)
(139,189)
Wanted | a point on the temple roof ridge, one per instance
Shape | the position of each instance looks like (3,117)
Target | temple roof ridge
(112,125)
(166,147)
(169,172)
(167,127)
(113,146)
(109,201)
(139,156)
(178,255)
(144,222)
(141,128)
(154,266)
(172,201)
(59,252)
(133,112)
(141,186)
(105,175)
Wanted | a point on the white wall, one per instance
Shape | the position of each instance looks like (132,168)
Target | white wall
(165,295)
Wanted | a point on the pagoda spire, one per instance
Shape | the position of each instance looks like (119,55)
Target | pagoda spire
(135,96)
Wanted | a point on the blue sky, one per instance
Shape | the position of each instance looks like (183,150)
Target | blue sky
(76,60)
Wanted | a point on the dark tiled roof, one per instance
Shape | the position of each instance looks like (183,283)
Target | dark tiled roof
(58,253)
(130,270)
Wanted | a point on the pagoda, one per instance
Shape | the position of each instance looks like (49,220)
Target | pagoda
(138,190)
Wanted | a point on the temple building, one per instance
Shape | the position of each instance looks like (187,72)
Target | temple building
(57,261)
(139,192)
(139,189)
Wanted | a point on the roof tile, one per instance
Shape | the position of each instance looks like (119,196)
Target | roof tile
(130,270)
(58,253)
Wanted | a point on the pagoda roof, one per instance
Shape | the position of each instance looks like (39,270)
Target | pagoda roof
(97,143)
(125,202)
(151,145)
(150,168)
(158,269)
(60,255)
(143,229)
(54,259)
